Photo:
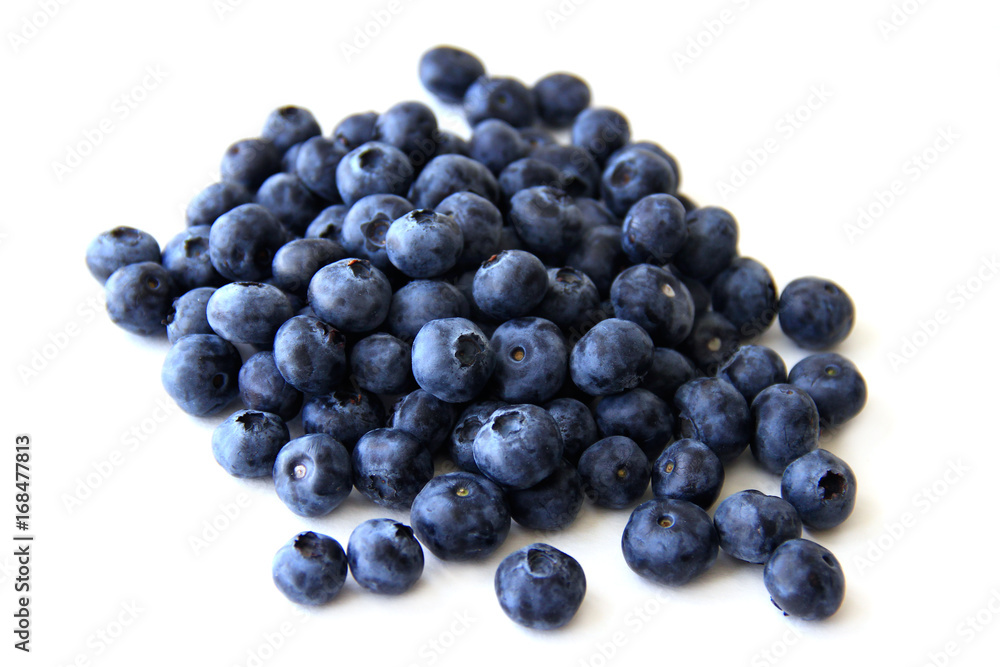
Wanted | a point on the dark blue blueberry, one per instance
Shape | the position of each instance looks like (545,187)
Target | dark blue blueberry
(821,487)
(447,174)
(509,240)
(311,569)
(380,363)
(752,369)
(290,157)
(412,128)
(328,223)
(835,385)
(312,475)
(815,313)
(560,98)
(518,446)
(188,314)
(614,356)
(249,162)
(711,411)
(424,244)
(310,354)
(653,147)
(242,242)
(216,199)
(655,300)
(297,262)
(580,175)
(669,371)
(689,204)
(531,359)
(384,556)
(614,472)
(600,132)
(480,222)
(390,467)
(366,224)
(576,424)
(354,130)
(751,525)
(316,164)
(547,220)
(669,541)
(540,587)
(138,297)
(496,144)
(639,415)
(510,284)
(700,293)
(120,247)
(503,98)
(201,373)
(711,243)
(712,341)
(449,143)
(552,504)
(290,201)
(633,174)
(452,359)
(599,255)
(460,516)
(786,426)
(248,313)
(425,417)
(570,299)
(536,137)
(248,442)
(745,294)
(463,435)
(263,388)
(688,470)
(420,301)
(373,168)
(344,414)
(595,214)
(447,72)
(289,125)
(351,294)
(187,259)
(805,580)
(654,229)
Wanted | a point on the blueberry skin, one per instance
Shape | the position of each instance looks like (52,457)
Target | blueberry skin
(480,222)
(365,226)
(412,128)
(373,168)
(510,284)
(390,467)
(297,262)
(248,442)
(263,388)
(384,556)
(712,239)
(460,516)
(120,247)
(688,470)
(540,587)
(503,98)
(752,525)
(700,293)
(242,242)
(290,157)
(138,297)
(531,359)
(447,174)
(248,313)
(187,259)
(354,130)
(496,144)
(380,363)
(425,417)
(449,143)
(815,313)
(452,359)
(552,504)
(312,475)
(200,374)
(655,300)
(560,98)
(600,256)
(669,541)
(420,301)
(580,175)
(654,229)
(745,294)
(536,137)
(328,223)
(614,472)
(216,199)
(569,300)
(290,201)
(447,72)
(343,414)
(351,294)
(526,173)
(547,220)
(711,411)
(188,314)
(805,580)
(311,569)
(424,244)
(633,174)
(821,487)
(576,425)
(518,446)
(835,385)
(669,371)
(463,435)
(712,341)
(601,132)
(595,214)
(786,426)
(640,415)
(614,356)
(249,162)
(655,148)
(752,369)
(310,354)
(316,164)
(289,125)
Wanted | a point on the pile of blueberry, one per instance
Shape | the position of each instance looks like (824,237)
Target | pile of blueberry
(550,322)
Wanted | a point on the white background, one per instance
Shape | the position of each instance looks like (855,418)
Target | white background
(128,544)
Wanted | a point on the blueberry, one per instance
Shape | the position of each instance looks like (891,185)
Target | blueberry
(595,213)
(614,356)
(560,98)
(576,425)
(380,363)
(216,199)
(752,369)
(547,220)
(447,72)
(463,435)
(344,415)
(653,147)
(821,487)
(350,294)
(373,168)
(310,354)
(654,229)
(316,164)
(669,371)
(711,243)
(420,301)
(786,426)
(745,294)
(187,259)
(366,224)
(311,569)
(503,98)
(752,525)
(711,411)
(297,262)
(600,132)
(290,201)
(249,162)
(188,314)
(120,247)
(449,143)
(639,415)
(580,175)
(518,446)
(263,388)
(312,475)
(552,504)
(510,284)
(390,467)
(599,255)
(138,297)
(447,174)
(328,223)
(815,313)
(632,175)
(242,242)
(354,130)
(700,293)
(669,541)
(452,359)
(712,341)
(480,222)
(289,125)
(526,173)
(496,144)
(424,244)
(200,373)
(614,472)
(569,300)
(540,587)
(688,470)
(835,385)
(248,442)
(655,300)
(804,580)
(384,556)
(290,157)
(426,418)
(412,128)
(531,359)
(536,137)
(248,313)
(460,516)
